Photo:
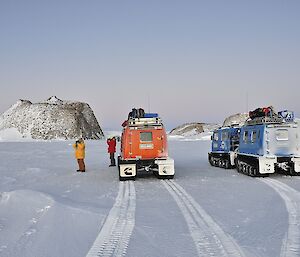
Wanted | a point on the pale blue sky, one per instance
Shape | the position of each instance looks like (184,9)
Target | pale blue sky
(194,60)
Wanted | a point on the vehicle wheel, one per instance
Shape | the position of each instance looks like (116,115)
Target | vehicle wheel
(220,163)
(226,164)
(236,163)
(251,171)
(210,160)
(215,162)
(254,171)
(239,167)
(290,171)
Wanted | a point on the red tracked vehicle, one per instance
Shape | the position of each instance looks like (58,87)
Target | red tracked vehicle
(144,147)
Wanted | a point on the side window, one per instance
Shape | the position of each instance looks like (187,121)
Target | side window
(245,136)
(282,135)
(224,136)
(215,136)
(253,136)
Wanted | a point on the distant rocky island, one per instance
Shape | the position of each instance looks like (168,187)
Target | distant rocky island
(52,119)
(203,131)
(236,119)
(196,130)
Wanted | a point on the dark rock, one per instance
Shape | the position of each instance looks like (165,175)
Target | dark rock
(52,119)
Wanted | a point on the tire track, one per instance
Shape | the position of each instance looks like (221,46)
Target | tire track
(291,197)
(115,233)
(209,238)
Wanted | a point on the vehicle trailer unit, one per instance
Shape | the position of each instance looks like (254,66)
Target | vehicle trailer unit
(268,145)
(144,147)
(223,149)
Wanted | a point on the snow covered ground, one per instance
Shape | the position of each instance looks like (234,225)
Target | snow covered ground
(192,137)
(48,209)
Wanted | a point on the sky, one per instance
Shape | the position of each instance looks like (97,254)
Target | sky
(190,61)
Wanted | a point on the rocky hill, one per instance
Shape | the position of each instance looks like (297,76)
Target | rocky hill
(203,131)
(194,130)
(52,119)
(236,119)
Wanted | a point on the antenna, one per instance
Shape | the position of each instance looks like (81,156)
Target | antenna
(247,102)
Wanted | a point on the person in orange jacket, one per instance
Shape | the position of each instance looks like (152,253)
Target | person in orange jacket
(111,150)
(79,147)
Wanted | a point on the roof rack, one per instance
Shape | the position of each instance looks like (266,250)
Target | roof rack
(144,122)
(264,120)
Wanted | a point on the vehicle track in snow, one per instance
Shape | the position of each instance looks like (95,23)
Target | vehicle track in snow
(116,231)
(209,238)
(291,197)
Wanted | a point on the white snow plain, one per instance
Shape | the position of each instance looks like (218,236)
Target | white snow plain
(48,209)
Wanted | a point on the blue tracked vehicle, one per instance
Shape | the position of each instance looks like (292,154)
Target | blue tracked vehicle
(265,144)
(268,145)
(225,141)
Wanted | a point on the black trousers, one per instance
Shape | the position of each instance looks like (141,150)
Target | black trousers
(112,159)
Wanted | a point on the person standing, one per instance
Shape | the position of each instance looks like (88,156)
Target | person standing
(111,150)
(79,147)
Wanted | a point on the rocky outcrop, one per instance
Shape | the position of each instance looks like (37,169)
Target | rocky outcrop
(52,119)
(236,119)
(192,129)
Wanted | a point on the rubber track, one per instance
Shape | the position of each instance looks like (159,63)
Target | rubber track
(291,197)
(115,234)
(209,238)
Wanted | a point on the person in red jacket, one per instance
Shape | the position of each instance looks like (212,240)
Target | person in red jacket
(111,150)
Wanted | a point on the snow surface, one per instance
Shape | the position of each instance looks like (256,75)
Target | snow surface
(192,136)
(48,209)
(12,134)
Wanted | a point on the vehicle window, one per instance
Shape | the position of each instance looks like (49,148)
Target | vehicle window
(224,135)
(282,135)
(146,136)
(245,136)
(253,136)
(216,136)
